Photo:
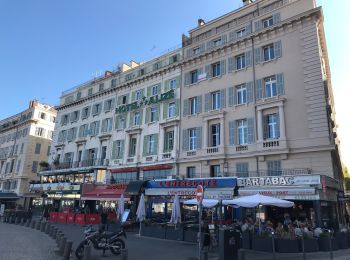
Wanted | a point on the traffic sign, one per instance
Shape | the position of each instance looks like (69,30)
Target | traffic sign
(200,193)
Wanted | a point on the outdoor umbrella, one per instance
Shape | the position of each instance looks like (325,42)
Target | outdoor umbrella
(120,209)
(256,200)
(207,203)
(175,212)
(141,211)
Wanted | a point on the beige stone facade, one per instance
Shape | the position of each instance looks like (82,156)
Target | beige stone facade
(25,141)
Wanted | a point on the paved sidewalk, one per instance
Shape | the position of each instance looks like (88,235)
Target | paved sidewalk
(22,243)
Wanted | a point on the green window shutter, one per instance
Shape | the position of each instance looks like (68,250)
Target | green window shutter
(231,96)
(145,145)
(258,89)
(155,144)
(133,94)
(189,53)
(277,46)
(187,78)
(166,85)
(104,126)
(248,29)
(280,84)
(114,148)
(186,107)
(185,137)
(223,67)
(258,25)
(122,148)
(178,81)
(208,71)
(250,122)
(119,100)
(199,104)
(232,36)
(131,119)
(276,18)
(202,47)
(141,116)
(207,102)
(231,132)
(149,89)
(81,129)
(265,126)
(113,104)
(257,54)
(147,117)
(159,88)
(248,59)
(249,86)
(277,125)
(231,63)
(97,127)
(110,127)
(224,39)
(157,112)
(177,107)
(165,110)
(199,137)
(209,45)
(223,98)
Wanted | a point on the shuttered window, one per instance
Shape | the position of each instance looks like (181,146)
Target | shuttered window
(274,168)
(242,170)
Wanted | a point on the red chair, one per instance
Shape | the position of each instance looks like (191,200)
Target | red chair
(53,216)
(70,217)
(93,219)
(62,217)
(79,219)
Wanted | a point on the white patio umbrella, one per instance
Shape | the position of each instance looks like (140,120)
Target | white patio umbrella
(207,203)
(176,212)
(120,209)
(141,211)
(258,199)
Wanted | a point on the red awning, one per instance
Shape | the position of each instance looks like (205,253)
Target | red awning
(157,167)
(104,192)
(124,170)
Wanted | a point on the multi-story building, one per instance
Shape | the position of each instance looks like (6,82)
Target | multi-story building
(256,103)
(257,100)
(25,140)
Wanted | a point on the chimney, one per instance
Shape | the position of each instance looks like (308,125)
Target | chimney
(201,22)
(247,2)
(33,103)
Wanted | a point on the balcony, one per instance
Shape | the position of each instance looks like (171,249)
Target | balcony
(166,155)
(268,144)
(282,172)
(241,148)
(191,153)
(77,164)
(213,149)
(130,159)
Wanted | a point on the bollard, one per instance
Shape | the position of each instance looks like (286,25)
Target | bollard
(32,224)
(37,227)
(242,254)
(54,234)
(17,220)
(330,245)
(58,239)
(23,221)
(52,228)
(67,250)
(273,246)
(124,253)
(62,245)
(42,226)
(28,222)
(87,253)
(204,255)
(47,228)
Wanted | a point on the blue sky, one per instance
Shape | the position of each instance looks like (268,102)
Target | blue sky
(49,46)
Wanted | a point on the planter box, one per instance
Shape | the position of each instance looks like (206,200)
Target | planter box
(342,240)
(190,235)
(157,231)
(286,245)
(323,243)
(262,243)
(247,240)
(310,244)
(173,233)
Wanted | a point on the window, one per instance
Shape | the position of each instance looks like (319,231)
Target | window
(194,76)
(48,150)
(85,113)
(267,22)
(274,168)
(196,50)
(96,109)
(270,87)
(106,125)
(241,91)
(215,171)
(171,110)
(119,149)
(215,69)
(71,134)
(22,148)
(42,115)
(193,105)
(74,116)
(124,100)
(49,134)
(153,114)
(132,147)
(240,61)
(39,131)
(35,166)
(52,119)
(83,130)
(242,170)
(136,119)
(154,90)
(101,87)
(78,95)
(215,135)
(25,132)
(18,166)
(113,82)
(217,42)
(142,72)
(138,95)
(169,141)
(240,33)
(64,120)
(37,148)
(193,139)
(191,172)
(215,98)
(269,52)
(94,128)
(90,91)
(242,130)
(151,144)
(172,84)
(103,153)
(108,105)
(272,126)
(120,122)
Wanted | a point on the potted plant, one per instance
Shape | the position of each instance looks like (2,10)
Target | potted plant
(262,242)
(324,244)
(310,244)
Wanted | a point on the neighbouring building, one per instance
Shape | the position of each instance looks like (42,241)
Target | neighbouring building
(257,102)
(248,96)
(25,140)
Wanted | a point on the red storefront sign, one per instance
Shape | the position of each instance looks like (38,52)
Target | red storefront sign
(92,219)
(70,217)
(80,219)
(103,192)
(62,217)
(53,216)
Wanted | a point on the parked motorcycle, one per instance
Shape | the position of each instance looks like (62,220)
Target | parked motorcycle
(101,240)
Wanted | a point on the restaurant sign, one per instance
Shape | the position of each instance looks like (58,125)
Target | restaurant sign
(193,183)
(279,181)
(145,101)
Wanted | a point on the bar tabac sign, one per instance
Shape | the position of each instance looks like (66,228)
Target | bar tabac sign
(145,101)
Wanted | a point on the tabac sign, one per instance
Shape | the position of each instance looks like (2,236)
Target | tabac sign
(279,181)
(145,101)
